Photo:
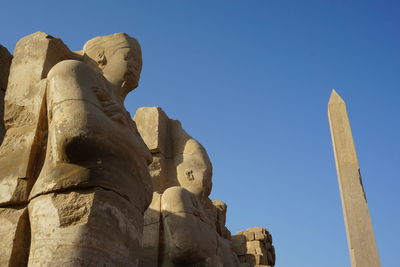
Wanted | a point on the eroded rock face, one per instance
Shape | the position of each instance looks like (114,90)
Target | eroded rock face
(183,227)
(5,63)
(25,113)
(73,167)
(178,159)
(14,236)
(93,227)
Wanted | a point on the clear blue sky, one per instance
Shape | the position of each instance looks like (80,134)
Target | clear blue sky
(251,80)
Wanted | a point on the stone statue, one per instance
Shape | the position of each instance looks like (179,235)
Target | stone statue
(72,160)
(82,184)
(183,227)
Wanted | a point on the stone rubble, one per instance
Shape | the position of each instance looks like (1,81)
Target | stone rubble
(254,247)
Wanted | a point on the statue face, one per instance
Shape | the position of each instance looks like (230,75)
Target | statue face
(123,66)
(120,59)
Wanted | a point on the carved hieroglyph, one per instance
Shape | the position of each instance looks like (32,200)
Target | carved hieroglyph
(360,235)
(72,160)
(183,227)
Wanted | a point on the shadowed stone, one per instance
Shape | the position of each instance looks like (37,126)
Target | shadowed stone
(5,63)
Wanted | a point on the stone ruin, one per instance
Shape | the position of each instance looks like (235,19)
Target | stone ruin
(83,184)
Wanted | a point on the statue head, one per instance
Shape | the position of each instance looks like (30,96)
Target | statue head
(119,57)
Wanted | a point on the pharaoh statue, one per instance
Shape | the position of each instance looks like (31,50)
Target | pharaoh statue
(74,182)
(82,184)
(183,227)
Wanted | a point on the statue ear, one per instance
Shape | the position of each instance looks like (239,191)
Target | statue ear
(101,58)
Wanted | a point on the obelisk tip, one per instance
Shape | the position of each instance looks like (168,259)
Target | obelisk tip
(335,98)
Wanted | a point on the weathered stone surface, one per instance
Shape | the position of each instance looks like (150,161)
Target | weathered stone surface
(220,216)
(2,127)
(24,113)
(149,256)
(254,247)
(188,233)
(192,230)
(72,152)
(153,127)
(193,166)
(75,172)
(92,140)
(161,171)
(238,243)
(188,163)
(193,226)
(14,236)
(5,63)
(93,227)
(360,235)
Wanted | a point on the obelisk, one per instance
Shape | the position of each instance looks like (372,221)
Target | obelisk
(360,235)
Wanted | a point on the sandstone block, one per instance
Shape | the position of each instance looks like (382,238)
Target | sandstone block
(259,236)
(238,244)
(151,233)
(5,63)
(2,128)
(255,244)
(193,166)
(221,209)
(258,246)
(91,227)
(270,257)
(14,236)
(190,236)
(34,56)
(153,212)
(163,173)
(225,253)
(242,259)
(152,125)
(249,235)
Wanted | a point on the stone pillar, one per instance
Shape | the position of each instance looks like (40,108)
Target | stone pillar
(360,235)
